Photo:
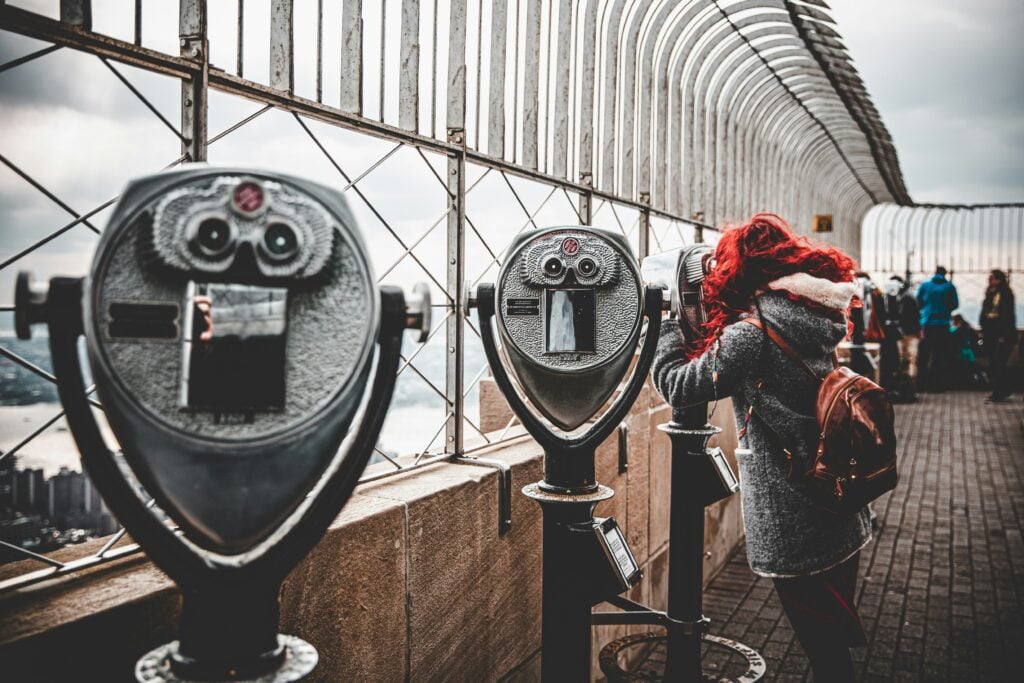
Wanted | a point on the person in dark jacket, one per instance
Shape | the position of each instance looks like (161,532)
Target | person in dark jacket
(998,325)
(887,306)
(803,292)
(937,300)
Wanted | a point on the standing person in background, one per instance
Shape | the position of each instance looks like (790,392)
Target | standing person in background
(865,326)
(888,307)
(903,319)
(998,332)
(937,300)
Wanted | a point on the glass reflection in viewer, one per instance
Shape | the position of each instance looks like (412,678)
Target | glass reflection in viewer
(234,348)
(571,321)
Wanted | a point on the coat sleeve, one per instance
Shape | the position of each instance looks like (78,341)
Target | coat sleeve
(683,382)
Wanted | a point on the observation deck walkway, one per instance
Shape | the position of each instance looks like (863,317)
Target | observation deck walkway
(941,588)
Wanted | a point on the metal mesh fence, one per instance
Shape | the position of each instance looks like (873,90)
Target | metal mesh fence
(450,125)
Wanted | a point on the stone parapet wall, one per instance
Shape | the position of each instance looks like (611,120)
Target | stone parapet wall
(411,582)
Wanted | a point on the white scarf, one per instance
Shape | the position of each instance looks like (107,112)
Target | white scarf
(830,294)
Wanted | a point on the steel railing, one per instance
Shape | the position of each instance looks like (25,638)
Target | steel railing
(656,118)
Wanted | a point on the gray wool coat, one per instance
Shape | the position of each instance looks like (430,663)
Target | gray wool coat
(787,535)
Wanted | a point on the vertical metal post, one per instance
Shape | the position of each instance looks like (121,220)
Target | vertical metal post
(610,98)
(194,47)
(561,106)
(644,226)
(240,51)
(689,433)
(138,22)
(587,199)
(352,56)
(456,252)
(455,327)
(409,67)
(496,86)
(319,50)
(566,621)
(282,36)
(531,86)
(585,72)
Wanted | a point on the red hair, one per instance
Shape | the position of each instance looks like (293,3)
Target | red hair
(751,255)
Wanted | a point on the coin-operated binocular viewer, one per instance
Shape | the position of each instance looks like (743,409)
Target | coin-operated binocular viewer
(232,322)
(701,476)
(569,307)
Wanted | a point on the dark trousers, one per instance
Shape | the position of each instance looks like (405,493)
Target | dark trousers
(889,363)
(934,360)
(999,350)
(820,608)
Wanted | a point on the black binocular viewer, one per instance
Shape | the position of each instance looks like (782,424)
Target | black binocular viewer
(245,358)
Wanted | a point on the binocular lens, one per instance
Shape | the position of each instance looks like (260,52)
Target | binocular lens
(553,267)
(586,267)
(281,241)
(213,236)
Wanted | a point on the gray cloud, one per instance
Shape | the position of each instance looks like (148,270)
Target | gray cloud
(946,78)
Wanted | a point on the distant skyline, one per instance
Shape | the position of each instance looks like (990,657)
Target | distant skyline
(947,78)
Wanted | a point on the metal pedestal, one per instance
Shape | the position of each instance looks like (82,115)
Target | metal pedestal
(566,616)
(298,659)
(686,625)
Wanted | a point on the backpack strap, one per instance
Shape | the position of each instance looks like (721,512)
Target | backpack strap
(783,345)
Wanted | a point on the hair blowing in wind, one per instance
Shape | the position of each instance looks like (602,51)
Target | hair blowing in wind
(751,255)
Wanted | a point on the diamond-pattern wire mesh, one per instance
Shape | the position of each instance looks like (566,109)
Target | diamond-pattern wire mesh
(404,224)
(38,369)
(22,366)
(669,234)
(532,204)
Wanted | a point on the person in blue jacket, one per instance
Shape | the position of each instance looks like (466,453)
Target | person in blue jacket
(937,300)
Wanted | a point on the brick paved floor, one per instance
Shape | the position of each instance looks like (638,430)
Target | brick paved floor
(941,589)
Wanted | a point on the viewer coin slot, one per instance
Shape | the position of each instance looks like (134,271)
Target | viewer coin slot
(128,320)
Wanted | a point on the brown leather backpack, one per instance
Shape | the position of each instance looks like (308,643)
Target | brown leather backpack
(855,461)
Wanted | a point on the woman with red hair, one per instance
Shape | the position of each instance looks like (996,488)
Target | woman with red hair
(801,291)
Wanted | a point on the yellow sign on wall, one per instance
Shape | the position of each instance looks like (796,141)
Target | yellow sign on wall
(822,222)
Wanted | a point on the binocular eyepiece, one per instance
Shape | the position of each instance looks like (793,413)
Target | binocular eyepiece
(682,272)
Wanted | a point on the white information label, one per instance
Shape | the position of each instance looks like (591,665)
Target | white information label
(617,545)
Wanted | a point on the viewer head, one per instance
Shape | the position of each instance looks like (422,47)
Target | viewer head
(958,320)
(940,270)
(997,278)
(751,255)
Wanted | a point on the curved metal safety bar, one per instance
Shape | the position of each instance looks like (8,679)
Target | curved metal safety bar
(965,238)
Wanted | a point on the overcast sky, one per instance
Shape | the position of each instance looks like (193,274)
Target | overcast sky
(947,77)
